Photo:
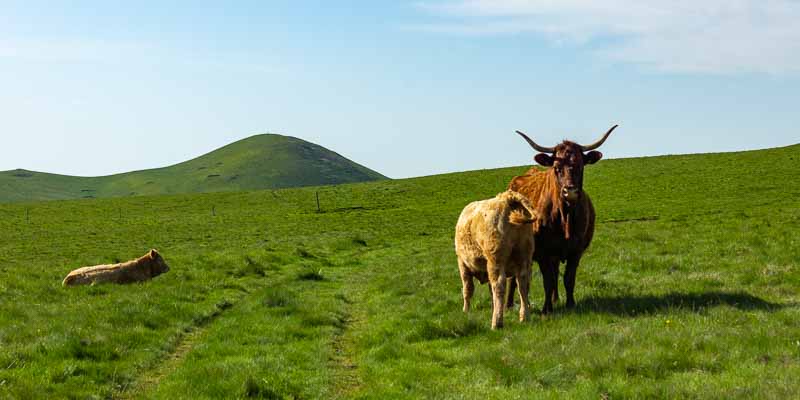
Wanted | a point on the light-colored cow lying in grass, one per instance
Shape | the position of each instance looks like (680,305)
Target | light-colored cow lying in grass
(141,269)
(494,241)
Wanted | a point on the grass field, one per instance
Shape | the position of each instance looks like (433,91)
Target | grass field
(258,162)
(690,290)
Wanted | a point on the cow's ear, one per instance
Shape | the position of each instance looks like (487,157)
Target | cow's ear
(153,253)
(592,157)
(544,159)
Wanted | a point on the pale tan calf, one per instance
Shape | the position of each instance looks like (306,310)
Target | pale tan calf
(141,269)
(494,241)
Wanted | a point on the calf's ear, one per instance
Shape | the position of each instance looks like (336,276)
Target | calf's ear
(153,253)
(544,159)
(592,157)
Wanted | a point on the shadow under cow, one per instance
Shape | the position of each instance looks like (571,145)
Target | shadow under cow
(626,305)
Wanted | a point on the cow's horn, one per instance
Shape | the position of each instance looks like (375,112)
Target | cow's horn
(599,142)
(536,146)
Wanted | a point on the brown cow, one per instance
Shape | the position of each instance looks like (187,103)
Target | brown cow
(141,269)
(494,240)
(566,225)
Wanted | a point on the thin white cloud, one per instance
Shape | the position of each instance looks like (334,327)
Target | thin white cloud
(708,36)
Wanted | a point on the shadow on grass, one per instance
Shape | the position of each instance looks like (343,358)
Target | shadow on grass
(648,304)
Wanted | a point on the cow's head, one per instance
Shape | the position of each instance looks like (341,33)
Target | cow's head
(568,159)
(157,265)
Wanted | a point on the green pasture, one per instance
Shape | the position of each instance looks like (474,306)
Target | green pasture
(691,289)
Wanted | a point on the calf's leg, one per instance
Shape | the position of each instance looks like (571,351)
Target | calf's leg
(497,278)
(524,281)
(467,286)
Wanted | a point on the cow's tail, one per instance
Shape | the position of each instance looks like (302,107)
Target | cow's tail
(521,210)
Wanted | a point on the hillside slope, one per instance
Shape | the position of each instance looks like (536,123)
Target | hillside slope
(260,162)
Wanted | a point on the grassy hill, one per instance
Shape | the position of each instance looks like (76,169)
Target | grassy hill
(690,290)
(259,162)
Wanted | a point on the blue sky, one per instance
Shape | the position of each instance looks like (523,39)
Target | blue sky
(407,88)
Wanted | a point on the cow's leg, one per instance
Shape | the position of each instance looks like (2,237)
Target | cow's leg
(546,269)
(512,287)
(497,278)
(468,288)
(524,280)
(549,268)
(569,280)
(556,266)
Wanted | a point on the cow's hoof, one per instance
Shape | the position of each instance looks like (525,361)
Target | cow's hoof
(570,305)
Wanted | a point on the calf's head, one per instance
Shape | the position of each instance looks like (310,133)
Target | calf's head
(157,264)
(567,160)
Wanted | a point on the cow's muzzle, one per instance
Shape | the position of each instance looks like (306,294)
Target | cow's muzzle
(570,193)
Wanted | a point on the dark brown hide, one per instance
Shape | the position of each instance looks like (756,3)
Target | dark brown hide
(566,216)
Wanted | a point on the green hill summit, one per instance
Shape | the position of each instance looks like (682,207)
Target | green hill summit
(259,162)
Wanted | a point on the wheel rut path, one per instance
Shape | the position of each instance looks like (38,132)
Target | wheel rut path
(182,344)
(346,379)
